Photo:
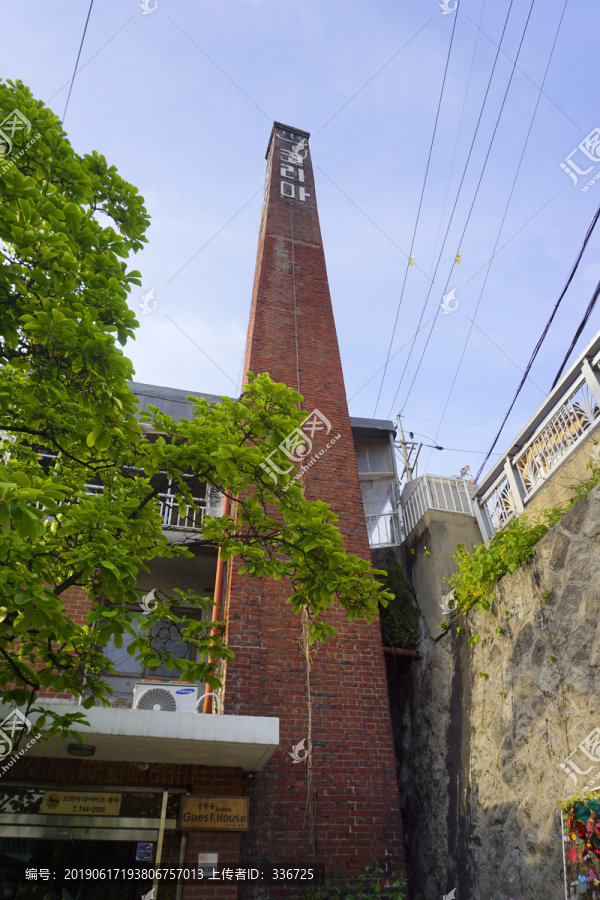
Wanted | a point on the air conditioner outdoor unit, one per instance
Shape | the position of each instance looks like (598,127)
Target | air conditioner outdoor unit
(165,696)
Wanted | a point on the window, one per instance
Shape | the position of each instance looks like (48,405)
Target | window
(128,670)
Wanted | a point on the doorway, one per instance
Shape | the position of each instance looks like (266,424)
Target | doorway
(38,854)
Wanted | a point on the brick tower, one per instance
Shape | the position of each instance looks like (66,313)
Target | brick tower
(355,808)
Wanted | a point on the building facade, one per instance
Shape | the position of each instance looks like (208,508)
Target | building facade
(159,781)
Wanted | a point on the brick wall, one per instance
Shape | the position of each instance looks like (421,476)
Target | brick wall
(356,795)
(199,780)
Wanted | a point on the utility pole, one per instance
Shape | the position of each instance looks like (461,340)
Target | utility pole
(404,450)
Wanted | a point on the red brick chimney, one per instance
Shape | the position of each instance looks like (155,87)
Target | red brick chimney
(355,806)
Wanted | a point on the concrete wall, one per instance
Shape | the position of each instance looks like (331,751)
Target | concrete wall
(439,532)
(482,771)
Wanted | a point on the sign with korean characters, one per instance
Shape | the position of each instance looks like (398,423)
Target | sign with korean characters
(80,803)
(215,813)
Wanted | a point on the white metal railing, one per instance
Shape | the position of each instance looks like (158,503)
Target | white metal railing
(569,416)
(171,518)
(565,428)
(191,520)
(385,529)
(435,492)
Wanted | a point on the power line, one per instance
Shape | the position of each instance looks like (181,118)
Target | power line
(455,449)
(485,162)
(463,424)
(53,158)
(375,374)
(77,60)
(510,196)
(542,337)
(436,446)
(582,325)
(475,133)
(458,133)
(412,242)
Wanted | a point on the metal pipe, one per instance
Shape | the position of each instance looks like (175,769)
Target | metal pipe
(212,694)
(182,853)
(217,601)
(399,651)
(159,843)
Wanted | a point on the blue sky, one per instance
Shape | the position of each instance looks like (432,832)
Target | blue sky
(181,100)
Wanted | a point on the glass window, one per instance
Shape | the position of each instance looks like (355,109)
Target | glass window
(167,636)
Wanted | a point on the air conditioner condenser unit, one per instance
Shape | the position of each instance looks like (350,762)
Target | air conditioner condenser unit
(165,696)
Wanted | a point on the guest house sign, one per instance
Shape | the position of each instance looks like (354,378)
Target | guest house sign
(215,813)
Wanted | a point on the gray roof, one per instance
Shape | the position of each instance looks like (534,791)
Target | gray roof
(173,402)
(371,428)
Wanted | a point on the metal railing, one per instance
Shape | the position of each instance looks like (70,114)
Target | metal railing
(569,416)
(385,529)
(191,520)
(435,492)
(171,518)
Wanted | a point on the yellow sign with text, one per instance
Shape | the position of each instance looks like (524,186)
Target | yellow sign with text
(215,813)
(80,803)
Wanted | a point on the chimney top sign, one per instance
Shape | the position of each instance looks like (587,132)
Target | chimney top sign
(286,133)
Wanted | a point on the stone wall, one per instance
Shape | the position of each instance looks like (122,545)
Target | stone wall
(482,757)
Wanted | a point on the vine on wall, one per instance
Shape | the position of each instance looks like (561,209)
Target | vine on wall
(479,570)
(400,618)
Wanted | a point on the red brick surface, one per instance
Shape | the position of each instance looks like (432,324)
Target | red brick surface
(357,804)
(356,796)
(199,780)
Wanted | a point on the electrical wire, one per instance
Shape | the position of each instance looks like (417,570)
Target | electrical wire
(412,242)
(510,196)
(435,446)
(455,449)
(475,133)
(458,133)
(542,337)
(582,325)
(78,58)
(53,158)
(485,162)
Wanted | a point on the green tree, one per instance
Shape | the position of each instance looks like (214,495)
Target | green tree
(68,417)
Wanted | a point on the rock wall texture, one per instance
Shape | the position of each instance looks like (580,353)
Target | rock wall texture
(482,758)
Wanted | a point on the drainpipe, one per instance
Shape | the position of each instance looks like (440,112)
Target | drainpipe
(218,599)
(182,853)
(159,844)
(398,651)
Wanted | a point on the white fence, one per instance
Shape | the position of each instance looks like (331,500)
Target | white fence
(435,492)
(385,529)
(565,421)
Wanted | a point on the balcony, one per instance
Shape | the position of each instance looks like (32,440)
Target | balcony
(435,492)
(567,419)
(192,519)
(210,503)
(375,459)
(384,529)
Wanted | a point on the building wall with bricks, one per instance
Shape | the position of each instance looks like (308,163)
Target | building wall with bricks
(349,814)
(354,808)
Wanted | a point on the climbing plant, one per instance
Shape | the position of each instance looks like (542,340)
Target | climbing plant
(480,569)
(400,618)
(364,885)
